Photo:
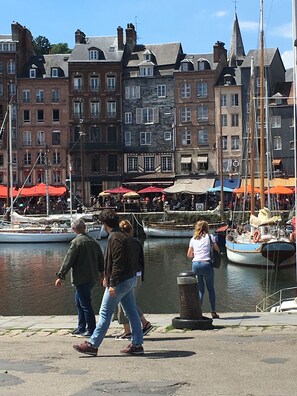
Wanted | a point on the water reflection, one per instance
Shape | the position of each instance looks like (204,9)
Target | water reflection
(27,275)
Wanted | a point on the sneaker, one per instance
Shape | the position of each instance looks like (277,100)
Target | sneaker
(78,333)
(147,328)
(86,348)
(133,350)
(123,336)
(87,333)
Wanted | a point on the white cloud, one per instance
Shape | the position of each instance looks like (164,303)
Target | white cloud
(288,59)
(282,31)
(249,25)
(221,14)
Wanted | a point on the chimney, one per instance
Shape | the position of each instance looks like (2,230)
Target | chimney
(80,37)
(130,37)
(219,51)
(120,38)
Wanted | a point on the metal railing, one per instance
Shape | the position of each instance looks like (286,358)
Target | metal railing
(276,299)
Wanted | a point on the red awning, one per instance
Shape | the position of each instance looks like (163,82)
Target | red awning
(41,190)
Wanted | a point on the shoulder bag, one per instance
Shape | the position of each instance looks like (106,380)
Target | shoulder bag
(215,256)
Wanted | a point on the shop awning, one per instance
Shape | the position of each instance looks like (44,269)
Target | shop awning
(190,186)
(228,183)
(202,159)
(186,160)
(276,162)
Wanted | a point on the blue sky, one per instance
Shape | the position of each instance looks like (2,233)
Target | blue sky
(195,23)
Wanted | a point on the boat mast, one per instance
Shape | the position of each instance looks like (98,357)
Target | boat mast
(294,21)
(10,110)
(221,160)
(252,137)
(261,98)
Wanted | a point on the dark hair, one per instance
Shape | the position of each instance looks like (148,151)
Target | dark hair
(110,218)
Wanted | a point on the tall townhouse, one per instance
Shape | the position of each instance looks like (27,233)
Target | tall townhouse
(149,112)
(274,73)
(196,134)
(15,50)
(95,114)
(43,120)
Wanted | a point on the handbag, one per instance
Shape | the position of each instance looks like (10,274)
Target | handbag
(215,256)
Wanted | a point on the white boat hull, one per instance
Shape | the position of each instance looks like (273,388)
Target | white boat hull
(156,232)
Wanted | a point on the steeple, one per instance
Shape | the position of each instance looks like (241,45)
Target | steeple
(236,53)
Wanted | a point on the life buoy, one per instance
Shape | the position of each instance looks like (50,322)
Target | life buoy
(257,236)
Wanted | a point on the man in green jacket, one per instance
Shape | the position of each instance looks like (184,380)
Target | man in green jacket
(85,260)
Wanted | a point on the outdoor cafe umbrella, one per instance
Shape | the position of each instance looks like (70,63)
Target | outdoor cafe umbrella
(150,189)
(104,194)
(41,190)
(118,190)
(244,189)
(279,190)
(131,194)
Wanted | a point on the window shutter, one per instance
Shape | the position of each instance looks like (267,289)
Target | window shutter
(156,115)
(137,92)
(138,116)
(127,90)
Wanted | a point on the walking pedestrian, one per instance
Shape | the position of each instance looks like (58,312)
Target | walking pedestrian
(199,252)
(138,256)
(120,280)
(85,260)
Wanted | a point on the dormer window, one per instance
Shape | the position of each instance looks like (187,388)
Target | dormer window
(93,54)
(147,56)
(146,71)
(185,66)
(203,64)
(54,72)
(32,73)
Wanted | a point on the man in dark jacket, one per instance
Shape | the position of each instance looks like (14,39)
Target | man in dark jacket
(85,260)
(120,280)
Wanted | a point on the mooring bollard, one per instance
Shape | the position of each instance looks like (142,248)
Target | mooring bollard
(190,307)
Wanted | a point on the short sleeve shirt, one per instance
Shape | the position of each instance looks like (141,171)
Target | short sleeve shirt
(201,247)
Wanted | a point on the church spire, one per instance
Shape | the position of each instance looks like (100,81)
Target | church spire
(236,53)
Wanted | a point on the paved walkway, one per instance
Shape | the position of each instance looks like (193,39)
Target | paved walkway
(244,354)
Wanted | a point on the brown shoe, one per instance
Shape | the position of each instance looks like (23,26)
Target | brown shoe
(133,350)
(86,348)
(215,315)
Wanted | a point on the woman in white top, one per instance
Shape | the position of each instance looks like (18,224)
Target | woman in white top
(199,252)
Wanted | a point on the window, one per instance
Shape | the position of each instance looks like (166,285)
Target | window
(78,109)
(93,54)
(186,137)
(166,164)
(185,90)
(224,120)
(161,91)
(39,95)
(94,83)
(234,120)
(234,100)
(56,158)
(56,115)
(54,72)
(145,138)
(132,92)
(27,138)
(55,95)
(1,159)
(149,164)
(127,138)
(56,138)
(132,164)
(202,89)
(1,89)
(291,144)
(186,164)
(27,158)
(202,163)
(57,177)
(223,100)
(147,115)
(111,109)
(77,83)
(1,68)
(95,163)
(11,67)
(94,108)
(111,83)
(95,134)
(40,177)
(167,135)
(26,116)
(276,122)
(277,143)
(32,73)
(202,136)
(27,178)
(128,118)
(112,163)
(40,138)
(26,96)
(185,114)
(224,143)
(11,89)
(40,115)
(202,113)
(146,71)
(41,158)
(111,134)
(235,142)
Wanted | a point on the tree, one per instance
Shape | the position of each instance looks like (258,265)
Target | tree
(60,48)
(42,46)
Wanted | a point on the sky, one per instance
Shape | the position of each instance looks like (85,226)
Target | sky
(196,24)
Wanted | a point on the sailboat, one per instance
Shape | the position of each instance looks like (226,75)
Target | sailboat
(47,229)
(262,243)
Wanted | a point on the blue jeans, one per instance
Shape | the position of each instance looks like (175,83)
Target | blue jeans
(205,274)
(86,316)
(125,294)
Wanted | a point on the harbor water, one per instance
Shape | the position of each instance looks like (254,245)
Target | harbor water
(27,273)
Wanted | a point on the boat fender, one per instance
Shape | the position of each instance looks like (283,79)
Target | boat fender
(257,236)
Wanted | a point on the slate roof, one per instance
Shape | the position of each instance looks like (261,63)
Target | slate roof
(108,45)
(194,58)
(269,54)
(56,60)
